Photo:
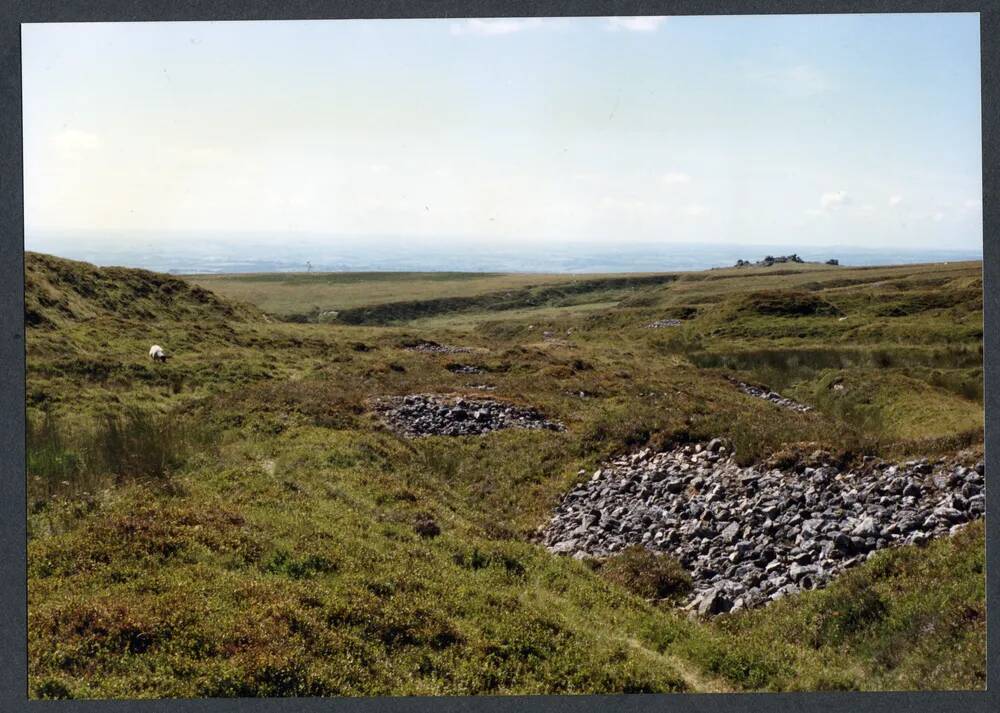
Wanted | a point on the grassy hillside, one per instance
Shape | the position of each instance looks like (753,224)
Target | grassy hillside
(293,294)
(238,522)
(58,291)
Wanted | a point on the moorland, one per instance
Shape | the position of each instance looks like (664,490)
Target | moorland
(243,521)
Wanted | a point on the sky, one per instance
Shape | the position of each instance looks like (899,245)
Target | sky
(855,130)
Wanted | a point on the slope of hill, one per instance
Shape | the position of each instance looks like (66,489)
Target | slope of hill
(241,522)
(59,290)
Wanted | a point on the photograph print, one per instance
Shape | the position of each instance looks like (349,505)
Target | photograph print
(504,356)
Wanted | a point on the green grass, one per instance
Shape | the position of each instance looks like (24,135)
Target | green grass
(243,525)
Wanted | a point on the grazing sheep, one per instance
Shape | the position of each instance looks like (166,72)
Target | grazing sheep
(156,353)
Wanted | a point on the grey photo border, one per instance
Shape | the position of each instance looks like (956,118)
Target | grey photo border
(13,537)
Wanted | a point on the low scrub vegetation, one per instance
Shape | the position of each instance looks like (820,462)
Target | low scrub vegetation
(646,574)
(73,462)
(782,303)
(238,521)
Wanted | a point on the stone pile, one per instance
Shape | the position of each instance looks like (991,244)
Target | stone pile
(772,396)
(435,348)
(661,323)
(433,415)
(463,369)
(749,535)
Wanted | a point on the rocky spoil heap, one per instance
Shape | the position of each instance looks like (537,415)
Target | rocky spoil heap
(464,369)
(747,535)
(661,323)
(772,396)
(435,348)
(432,415)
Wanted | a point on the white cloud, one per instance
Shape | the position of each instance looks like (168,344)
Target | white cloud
(696,209)
(895,201)
(937,217)
(497,26)
(644,23)
(675,178)
(75,140)
(834,199)
(973,204)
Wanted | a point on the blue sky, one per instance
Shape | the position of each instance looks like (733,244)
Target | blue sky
(858,130)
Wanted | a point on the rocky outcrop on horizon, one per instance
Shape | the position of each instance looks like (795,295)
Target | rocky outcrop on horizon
(770,260)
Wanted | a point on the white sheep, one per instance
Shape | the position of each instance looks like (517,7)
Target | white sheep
(156,353)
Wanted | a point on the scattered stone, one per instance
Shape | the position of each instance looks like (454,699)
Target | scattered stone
(464,369)
(435,415)
(750,535)
(429,347)
(772,396)
(730,533)
(660,323)
(714,601)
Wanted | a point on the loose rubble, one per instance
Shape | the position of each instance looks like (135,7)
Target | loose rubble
(772,396)
(433,415)
(750,535)
(661,323)
(464,369)
(435,348)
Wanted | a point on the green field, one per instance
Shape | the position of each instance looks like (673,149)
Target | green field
(237,522)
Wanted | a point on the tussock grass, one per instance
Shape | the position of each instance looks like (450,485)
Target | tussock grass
(76,464)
